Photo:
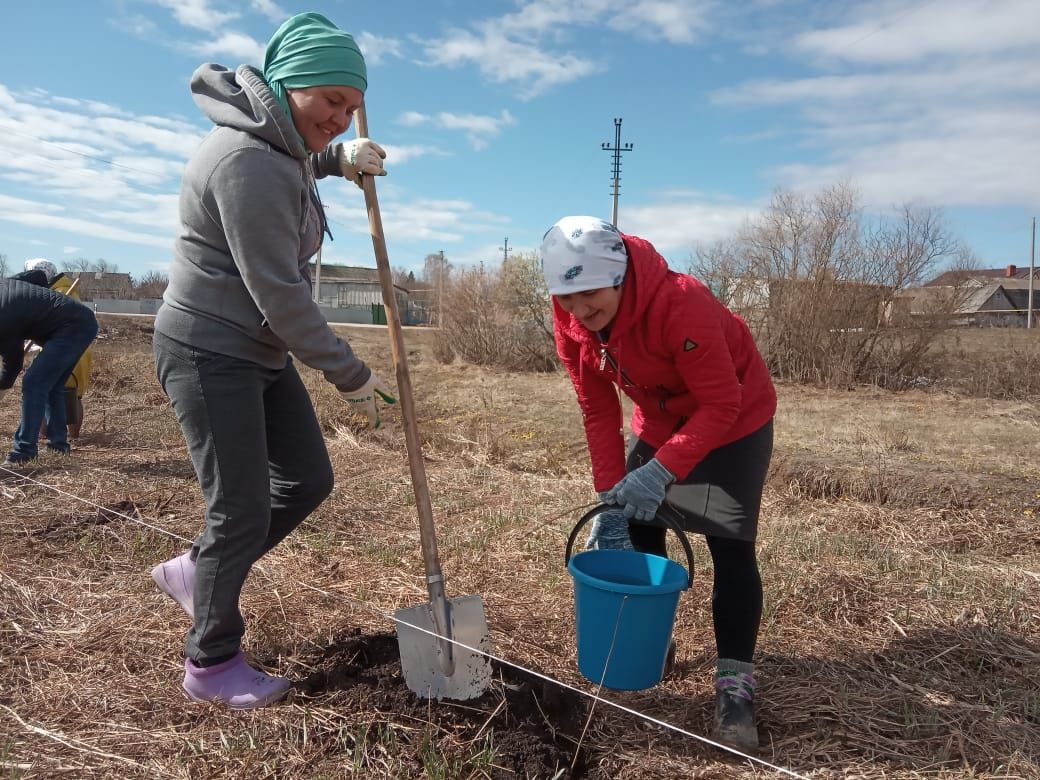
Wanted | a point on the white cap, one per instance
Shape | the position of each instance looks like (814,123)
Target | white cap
(582,253)
(42,264)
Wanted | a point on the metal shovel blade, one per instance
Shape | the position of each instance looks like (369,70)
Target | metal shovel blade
(423,654)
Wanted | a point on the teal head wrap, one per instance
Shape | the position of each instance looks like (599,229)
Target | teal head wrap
(310,51)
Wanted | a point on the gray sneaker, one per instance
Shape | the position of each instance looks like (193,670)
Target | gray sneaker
(735,722)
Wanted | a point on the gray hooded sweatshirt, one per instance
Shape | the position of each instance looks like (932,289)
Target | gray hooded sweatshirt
(250,220)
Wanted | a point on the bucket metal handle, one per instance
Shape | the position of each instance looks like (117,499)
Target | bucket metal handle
(668,522)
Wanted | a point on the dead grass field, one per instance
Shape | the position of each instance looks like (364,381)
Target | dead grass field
(899,548)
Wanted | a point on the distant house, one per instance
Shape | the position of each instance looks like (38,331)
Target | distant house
(95,285)
(422,304)
(834,304)
(1009,273)
(980,302)
(357,289)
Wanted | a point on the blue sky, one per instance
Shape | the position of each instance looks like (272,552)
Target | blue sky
(493,114)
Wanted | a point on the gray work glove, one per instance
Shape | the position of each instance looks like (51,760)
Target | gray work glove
(609,532)
(641,492)
(3,393)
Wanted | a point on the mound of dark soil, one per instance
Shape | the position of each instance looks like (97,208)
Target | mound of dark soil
(534,726)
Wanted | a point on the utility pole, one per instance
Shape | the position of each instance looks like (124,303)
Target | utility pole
(505,250)
(1032,264)
(615,168)
(440,291)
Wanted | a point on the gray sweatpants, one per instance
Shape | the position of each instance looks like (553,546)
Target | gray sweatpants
(261,461)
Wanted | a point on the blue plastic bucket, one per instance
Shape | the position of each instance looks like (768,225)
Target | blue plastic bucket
(624,605)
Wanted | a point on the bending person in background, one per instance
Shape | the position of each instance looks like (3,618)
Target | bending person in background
(702,424)
(238,302)
(79,380)
(29,311)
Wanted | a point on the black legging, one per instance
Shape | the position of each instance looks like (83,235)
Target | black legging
(736,595)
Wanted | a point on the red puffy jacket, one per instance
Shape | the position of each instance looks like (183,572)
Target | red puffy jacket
(690,365)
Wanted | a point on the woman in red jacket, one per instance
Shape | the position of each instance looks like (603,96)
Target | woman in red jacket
(702,423)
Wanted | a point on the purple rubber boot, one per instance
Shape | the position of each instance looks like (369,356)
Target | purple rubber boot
(176,578)
(233,682)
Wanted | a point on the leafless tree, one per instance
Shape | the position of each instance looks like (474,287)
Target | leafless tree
(436,275)
(403,278)
(818,282)
(524,291)
(151,285)
(83,265)
(498,317)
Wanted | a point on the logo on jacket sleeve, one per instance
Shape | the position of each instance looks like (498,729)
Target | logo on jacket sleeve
(689,345)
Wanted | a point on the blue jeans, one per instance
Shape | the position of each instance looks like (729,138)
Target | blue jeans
(43,387)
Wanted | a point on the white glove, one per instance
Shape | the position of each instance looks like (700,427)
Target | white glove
(360,156)
(363,400)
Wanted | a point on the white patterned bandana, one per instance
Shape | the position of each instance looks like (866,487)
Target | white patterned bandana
(40,264)
(582,253)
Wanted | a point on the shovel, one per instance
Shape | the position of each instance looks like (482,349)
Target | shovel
(434,638)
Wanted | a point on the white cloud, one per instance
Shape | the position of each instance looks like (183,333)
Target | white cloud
(674,22)
(419,219)
(529,65)
(95,169)
(270,9)
(476,124)
(893,33)
(395,155)
(199,14)
(527,47)
(377,48)
(937,103)
(238,46)
(46,215)
(478,128)
(413,119)
(679,225)
(874,90)
(70,250)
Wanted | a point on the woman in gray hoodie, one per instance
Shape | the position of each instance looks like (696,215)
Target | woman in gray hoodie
(239,301)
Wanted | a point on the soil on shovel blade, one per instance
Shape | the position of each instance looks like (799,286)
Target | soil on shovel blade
(533,725)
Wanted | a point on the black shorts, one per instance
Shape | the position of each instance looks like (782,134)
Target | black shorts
(722,496)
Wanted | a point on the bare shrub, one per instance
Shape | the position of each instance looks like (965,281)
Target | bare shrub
(819,286)
(1012,373)
(498,317)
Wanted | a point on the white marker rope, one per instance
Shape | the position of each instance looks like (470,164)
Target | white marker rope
(595,697)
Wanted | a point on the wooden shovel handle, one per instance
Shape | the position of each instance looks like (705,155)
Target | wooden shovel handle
(413,443)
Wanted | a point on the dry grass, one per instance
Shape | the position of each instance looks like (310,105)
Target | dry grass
(899,551)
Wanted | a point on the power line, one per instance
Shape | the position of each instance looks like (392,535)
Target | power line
(892,21)
(50,162)
(93,157)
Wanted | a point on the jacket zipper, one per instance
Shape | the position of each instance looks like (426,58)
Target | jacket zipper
(605,358)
